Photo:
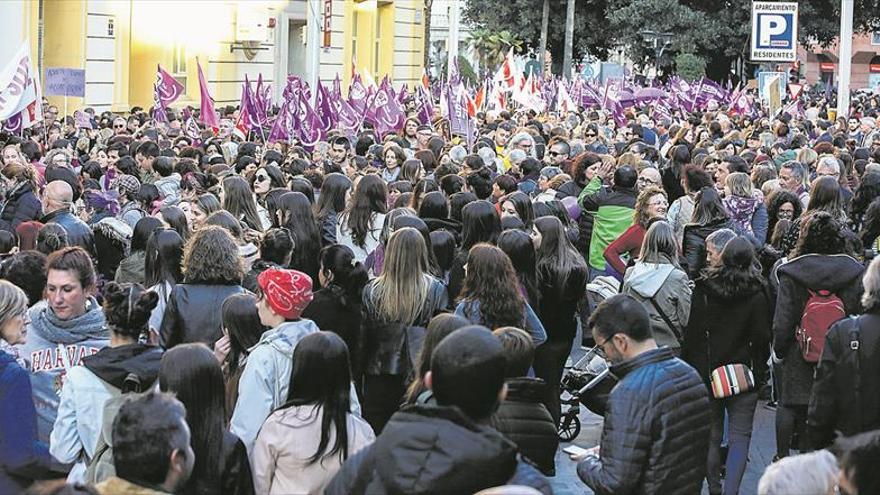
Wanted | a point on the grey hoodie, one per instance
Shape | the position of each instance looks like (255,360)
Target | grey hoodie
(78,337)
(670,289)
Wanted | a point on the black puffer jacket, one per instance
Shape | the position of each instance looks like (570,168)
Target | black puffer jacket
(525,421)
(840,274)
(656,432)
(834,405)
(22,205)
(693,246)
(435,450)
(78,232)
(193,314)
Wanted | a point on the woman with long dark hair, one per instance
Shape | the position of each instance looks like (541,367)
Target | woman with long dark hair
(297,218)
(480,223)
(192,373)
(131,270)
(238,199)
(730,325)
(337,305)
(360,225)
(491,295)
(821,261)
(330,204)
(174,218)
(562,280)
(518,205)
(242,330)
(201,208)
(519,247)
(404,296)
(304,443)
(709,216)
(824,196)
(162,270)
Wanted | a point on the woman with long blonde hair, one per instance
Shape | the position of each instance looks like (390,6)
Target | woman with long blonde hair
(403,297)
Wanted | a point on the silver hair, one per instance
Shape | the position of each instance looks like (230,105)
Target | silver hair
(797,169)
(814,473)
(13,301)
(829,161)
(720,238)
(871,283)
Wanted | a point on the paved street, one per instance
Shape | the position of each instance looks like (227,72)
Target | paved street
(566,481)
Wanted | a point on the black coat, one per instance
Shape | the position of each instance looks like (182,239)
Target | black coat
(78,232)
(435,449)
(259,266)
(834,405)
(525,421)
(729,324)
(193,314)
(22,205)
(840,274)
(558,306)
(656,431)
(332,312)
(693,246)
(235,472)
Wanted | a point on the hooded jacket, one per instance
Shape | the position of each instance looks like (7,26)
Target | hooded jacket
(266,377)
(169,188)
(656,431)
(81,411)
(78,337)
(670,289)
(22,457)
(435,450)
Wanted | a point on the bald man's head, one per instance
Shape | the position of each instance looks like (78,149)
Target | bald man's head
(57,195)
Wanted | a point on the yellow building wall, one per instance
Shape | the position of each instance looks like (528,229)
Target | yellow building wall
(64,35)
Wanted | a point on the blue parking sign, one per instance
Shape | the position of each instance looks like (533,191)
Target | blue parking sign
(774,31)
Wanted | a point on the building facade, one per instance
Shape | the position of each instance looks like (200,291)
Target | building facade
(822,63)
(120,42)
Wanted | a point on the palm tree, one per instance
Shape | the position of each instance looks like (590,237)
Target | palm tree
(490,47)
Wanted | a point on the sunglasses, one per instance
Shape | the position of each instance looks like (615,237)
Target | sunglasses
(119,127)
(554,153)
(590,135)
(261,178)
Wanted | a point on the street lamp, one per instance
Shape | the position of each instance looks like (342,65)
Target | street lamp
(660,42)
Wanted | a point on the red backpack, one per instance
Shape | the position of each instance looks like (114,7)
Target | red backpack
(823,309)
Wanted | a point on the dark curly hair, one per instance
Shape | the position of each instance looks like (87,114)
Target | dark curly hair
(27,270)
(867,192)
(739,272)
(127,308)
(211,257)
(820,234)
(776,200)
(491,281)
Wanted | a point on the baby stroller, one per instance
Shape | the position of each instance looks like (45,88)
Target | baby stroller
(587,382)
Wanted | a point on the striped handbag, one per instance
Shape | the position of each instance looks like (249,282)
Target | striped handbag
(731,379)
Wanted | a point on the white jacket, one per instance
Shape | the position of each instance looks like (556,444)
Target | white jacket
(80,416)
(266,376)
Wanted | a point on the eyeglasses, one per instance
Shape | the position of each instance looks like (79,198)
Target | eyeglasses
(646,180)
(785,214)
(600,347)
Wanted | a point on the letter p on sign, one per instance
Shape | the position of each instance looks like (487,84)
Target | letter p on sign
(771,25)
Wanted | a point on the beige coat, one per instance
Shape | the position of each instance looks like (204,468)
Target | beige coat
(289,437)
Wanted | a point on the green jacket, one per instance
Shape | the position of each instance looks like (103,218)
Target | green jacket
(612,209)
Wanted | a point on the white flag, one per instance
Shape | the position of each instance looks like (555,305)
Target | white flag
(19,84)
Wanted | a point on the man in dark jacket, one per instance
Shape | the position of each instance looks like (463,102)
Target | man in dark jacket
(57,198)
(448,448)
(654,439)
(521,416)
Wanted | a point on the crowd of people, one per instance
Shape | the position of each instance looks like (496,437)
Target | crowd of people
(394,314)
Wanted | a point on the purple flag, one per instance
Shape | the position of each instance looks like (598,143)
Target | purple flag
(13,125)
(279,127)
(424,106)
(166,90)
(385,113)
(358,95)
(324,107)
(310,124)
(207,113)
(190,127)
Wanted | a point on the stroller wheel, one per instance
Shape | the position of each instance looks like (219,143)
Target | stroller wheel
(569,427)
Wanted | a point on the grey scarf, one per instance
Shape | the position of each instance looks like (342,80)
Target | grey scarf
(87,326)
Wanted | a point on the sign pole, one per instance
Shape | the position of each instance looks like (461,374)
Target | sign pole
(65,111)
(843,78)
